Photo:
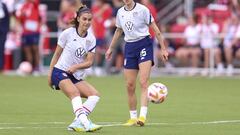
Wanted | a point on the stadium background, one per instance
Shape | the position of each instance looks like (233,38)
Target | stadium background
(171,18)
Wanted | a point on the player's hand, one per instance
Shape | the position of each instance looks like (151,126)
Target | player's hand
(72,69)
(164,55)
(108,54)
(49,81)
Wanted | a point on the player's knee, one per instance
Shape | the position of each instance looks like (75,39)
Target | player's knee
(96,94)
(130,86)
(143,83)
(72,94)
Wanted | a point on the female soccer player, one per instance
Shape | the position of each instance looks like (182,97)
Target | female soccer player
(74,53)
(134,20)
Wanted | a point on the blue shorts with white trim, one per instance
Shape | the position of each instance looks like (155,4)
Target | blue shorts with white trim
(138,52)
(58,75)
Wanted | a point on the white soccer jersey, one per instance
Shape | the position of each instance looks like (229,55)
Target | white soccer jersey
(208,34)
(135,23)
(75,49)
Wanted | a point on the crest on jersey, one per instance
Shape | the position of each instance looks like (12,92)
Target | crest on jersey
(80,52)
(129,26)
(88,42)
(135,14)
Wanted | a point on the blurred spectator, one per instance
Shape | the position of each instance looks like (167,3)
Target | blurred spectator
(68,10)
(236,49)
(30,20)
(223,2)
(102,11)
(4,28)
(229,30)
(208,31)
(117,60)
(191,48)
(235,7)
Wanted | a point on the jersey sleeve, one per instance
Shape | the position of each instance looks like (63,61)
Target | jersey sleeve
(92,45)
(148,18)
(118,20)
(62,39)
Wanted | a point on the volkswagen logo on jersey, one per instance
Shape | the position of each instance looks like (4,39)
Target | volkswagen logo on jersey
(80,52)
(129,26)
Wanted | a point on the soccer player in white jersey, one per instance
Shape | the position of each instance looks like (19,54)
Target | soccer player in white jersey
(134,20)
(74,53)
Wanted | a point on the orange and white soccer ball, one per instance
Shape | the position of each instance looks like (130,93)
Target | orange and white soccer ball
(157,92)
(25,68)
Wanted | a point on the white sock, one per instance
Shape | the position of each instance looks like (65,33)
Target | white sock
(90,104)
(143,111)
(77,106)
(133,114)
(79,112)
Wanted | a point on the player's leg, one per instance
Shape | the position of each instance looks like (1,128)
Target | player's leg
(145,62)
(144,74)
(93,96)
(71,91)
(61,80)
(130,79)
(130,71)
(89,92)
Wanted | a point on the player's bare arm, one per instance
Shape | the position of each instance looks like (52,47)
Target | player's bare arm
(117,34)
(160,39)
(54,60)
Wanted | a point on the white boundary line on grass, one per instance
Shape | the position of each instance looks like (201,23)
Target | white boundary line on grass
(104,124)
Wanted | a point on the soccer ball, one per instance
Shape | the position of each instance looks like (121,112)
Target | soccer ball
(157,92)
(25,68)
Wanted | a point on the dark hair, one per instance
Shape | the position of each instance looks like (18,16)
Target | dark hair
(82,9)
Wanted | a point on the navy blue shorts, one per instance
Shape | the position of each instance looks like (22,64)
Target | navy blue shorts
(100,42)
(58,75)
(30,39)
(138,52)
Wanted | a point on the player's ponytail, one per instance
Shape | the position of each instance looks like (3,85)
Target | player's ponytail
(81,9)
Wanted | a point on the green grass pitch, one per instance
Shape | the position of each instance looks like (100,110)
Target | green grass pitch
(194,106)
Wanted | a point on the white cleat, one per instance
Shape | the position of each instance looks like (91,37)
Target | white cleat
(76,126)
(93,127)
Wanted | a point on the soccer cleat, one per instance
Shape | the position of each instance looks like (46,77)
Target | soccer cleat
(131,122)
(141,121)
(76,126)
(93,127)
